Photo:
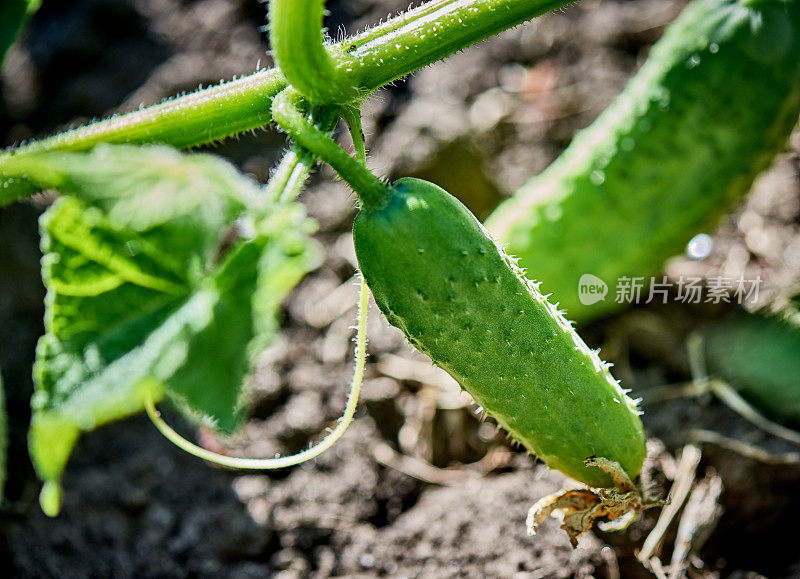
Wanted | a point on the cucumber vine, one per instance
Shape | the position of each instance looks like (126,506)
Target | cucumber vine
(145,305)
(382,54)
(179,294)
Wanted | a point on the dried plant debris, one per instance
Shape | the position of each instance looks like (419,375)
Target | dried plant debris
(579,509)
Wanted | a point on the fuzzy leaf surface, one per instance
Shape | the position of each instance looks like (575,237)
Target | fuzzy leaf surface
(139,301)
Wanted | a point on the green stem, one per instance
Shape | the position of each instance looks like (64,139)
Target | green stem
(298,45)
(381,55)
(372,192)
(352,118)
(293,171)
(411,41)
(202,117)
(289,177)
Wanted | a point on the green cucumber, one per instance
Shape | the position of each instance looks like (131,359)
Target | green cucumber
(758,355)
(438,276)
(712,106)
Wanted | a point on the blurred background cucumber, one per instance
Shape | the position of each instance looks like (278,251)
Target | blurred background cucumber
(708,111)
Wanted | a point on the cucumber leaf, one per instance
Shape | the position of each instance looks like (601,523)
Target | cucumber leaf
(139,303)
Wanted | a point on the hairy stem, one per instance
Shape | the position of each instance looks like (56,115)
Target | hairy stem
(380,55)
(291,174)
(289,177)
(202,117)
(372,192)
(298,45)
(352,117)
(430,32)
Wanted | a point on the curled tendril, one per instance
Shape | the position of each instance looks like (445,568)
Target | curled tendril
(284,461)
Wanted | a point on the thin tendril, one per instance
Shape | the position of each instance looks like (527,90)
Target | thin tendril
(284,461)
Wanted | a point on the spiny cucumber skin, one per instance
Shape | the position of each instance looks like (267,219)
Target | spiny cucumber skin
(709,110)
(759,356)
(438,276)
